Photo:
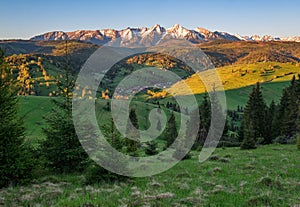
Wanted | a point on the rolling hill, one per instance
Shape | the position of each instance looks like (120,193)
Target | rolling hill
(239,76)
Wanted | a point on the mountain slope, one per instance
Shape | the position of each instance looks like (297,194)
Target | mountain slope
(150,36)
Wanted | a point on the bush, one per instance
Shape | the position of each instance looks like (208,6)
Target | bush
(179,155)
(298,142)
(97,174)
(229,143)
(285,140)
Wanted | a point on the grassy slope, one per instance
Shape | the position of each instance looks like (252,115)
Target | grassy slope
(271,91)
(33,108)
(238,76)
(234,97)
(267,176)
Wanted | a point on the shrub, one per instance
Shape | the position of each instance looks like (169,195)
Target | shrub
(97,174)
(285,140)
(298,142)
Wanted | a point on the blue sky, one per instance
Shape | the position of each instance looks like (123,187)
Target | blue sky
(26,18)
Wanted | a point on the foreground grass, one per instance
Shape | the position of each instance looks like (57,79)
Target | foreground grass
(267,176)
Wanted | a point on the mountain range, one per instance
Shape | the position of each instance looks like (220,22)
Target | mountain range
(151,36)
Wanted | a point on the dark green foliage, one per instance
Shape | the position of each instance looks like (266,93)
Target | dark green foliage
(217,129)
(249,141)
(158,126)
(94,173)
(151,148)
(205,119)
(270,119)
(107,107)
(62,148)
(179,155)
(281,115)
(205,113)
(253,124)
(132,132)
(191,129)
(298,142)
(171,132)
(16,162)
(113,136)
(287,115)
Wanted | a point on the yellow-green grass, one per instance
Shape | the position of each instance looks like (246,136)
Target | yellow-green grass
(238,76)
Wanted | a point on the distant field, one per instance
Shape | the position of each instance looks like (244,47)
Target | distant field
(267,176)
(239,76)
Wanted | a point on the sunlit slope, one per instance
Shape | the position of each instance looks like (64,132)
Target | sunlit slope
(237,76)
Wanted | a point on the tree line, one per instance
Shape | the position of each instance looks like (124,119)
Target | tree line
(262,124)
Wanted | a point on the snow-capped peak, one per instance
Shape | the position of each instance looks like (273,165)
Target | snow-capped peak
(150,36)
(178,31)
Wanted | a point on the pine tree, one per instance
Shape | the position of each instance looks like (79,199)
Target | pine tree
(16,164)
(171,130)
(291,128)
(62,148)
(113,136)
(249,141)
(192,128)
(286,118)
(205,112)
(106,163)
(270,116)
(253,123)
(158,125)
(217,129)
(151,148)
(280,122)
(205,119)
(132,132)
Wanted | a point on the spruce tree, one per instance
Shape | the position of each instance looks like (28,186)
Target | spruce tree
(205,119)
(16,164)
(270,116)
(158,125)
(62,149)
(288,111)
(171,130)
(291,128)
(253,123)
(151,148)
(217,129)
(192,129)
(281,118)
(249,141)
(132,132)
(113,136)
(298,142)
(205,112)
(107,156)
